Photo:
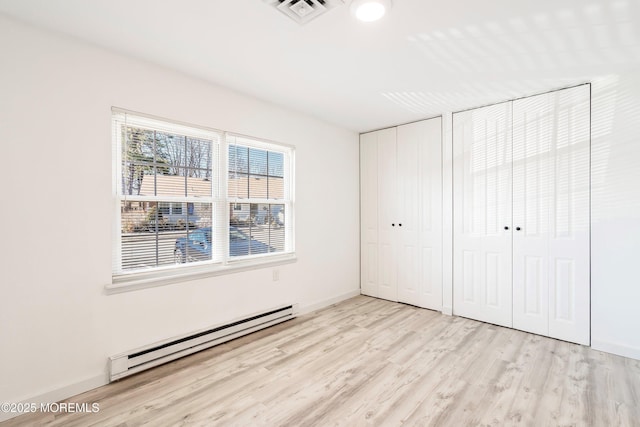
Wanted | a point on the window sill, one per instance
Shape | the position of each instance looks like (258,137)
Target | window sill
(144,280)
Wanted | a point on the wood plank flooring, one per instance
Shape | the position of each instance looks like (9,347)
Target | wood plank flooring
(370,362)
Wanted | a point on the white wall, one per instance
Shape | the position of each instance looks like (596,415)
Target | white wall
(57,325)
(615,233)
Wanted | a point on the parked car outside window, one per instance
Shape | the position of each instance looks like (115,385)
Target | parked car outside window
(197,246)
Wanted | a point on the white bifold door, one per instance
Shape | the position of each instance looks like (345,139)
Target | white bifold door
(372,147)
(419,213)
(551,202)
(482,287)
(521,214)
(401,220)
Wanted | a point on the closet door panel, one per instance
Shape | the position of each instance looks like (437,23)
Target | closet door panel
(569,258)
(430,213)
(482,209)
(387,215)
(419,171)
(551,207)
(533,125)
(409,139)
(369,214)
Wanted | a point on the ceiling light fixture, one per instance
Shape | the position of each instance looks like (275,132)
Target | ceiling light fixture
(370,10)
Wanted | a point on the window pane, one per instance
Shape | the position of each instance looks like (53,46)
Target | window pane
(238,158)
(195,247)
(170,153)
(257,162)
(170,164)
(157,233)
(258,187)
(145,184)
(137,158)
(276,229)
(135,216)
(239,215)
(239,240)
(259,243)
(166,185)
(199,170)
(276,164)
(276,188)
(198,187)
(238,185)
(146,238)
(256,228)
(199,157)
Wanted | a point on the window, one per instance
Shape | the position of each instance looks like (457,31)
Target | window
(188,197)
(259,197)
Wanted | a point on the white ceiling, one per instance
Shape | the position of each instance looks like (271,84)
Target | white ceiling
(426,57)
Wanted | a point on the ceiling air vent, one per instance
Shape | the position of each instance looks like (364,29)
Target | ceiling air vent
(303,11)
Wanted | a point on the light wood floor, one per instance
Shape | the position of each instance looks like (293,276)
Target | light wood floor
(372,362)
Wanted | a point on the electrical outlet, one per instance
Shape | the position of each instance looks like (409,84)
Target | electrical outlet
(276,275)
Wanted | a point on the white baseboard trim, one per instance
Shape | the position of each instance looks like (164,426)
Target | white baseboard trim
(62,393)
(615,348)
(305,309)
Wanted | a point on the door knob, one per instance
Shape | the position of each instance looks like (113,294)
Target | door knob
(517,228)
(399,225)
(506,228)
(393,225)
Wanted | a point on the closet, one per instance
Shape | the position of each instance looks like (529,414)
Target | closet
(401,213)
(521,200)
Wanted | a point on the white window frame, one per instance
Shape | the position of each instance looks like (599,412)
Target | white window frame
(287,201)
(221,262)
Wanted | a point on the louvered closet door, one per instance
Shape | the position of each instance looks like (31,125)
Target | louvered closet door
(419,228)
(482,208)
(387,215)
(369,214)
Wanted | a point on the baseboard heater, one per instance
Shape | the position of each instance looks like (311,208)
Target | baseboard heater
(156,354)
